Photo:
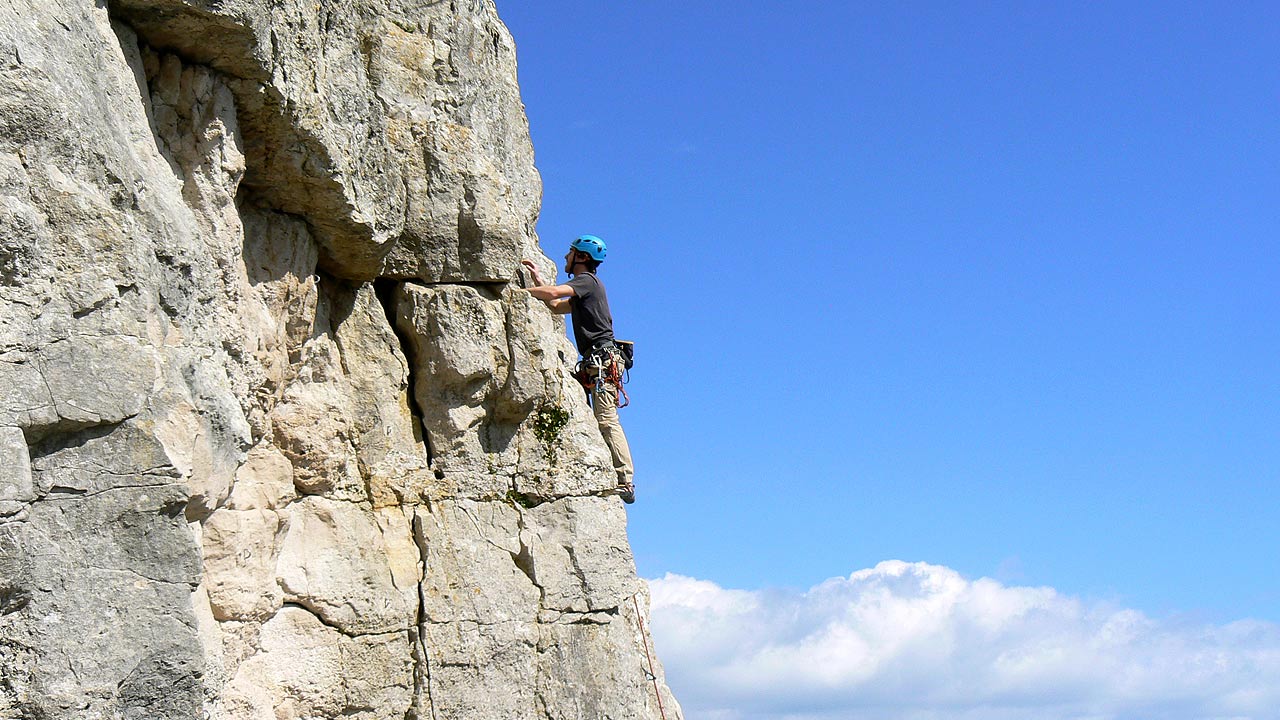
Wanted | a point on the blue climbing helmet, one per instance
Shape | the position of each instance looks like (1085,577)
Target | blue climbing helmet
(591,245)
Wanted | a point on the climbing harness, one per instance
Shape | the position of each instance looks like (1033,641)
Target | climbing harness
(601,369)
(648,655)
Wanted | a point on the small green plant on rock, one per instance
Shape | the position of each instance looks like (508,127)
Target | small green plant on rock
(548,422)
(516,497)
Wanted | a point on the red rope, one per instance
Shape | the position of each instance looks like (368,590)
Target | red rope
(615,377)
(612,375)
(644,636)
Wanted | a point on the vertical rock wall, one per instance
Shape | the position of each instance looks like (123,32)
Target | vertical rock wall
(267,389)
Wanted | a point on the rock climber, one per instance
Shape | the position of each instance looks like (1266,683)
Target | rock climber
(583,297)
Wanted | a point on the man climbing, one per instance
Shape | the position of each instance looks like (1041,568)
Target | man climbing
(583,297)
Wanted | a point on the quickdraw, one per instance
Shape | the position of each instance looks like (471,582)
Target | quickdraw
(600,370)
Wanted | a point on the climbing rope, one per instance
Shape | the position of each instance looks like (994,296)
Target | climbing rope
(608,371)
(645,636)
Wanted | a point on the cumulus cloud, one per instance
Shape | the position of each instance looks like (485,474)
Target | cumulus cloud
(908,641)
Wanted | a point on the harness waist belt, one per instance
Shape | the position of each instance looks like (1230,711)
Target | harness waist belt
(604,346)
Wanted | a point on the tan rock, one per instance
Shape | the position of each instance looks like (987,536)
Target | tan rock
(581,557)
(240,548)
(297,674)
(263,482)
(336,562)
(312,428)
(388,437)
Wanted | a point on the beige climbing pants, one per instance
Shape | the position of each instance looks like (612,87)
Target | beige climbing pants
(605,406)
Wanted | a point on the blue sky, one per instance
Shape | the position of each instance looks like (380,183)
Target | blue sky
(990,286)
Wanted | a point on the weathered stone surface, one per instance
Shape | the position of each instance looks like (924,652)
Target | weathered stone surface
(490,363)
(389,444)
(267,387)
(340,563)
(240,549)
(474,575)
(263,482)
(98,584)
(312,428)
(529,611)
(592,654)
(406,144)
(580,555)
(306,669)
(77,382)
(202,427)
(16,486)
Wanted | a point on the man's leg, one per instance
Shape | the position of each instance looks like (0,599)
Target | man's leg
(605,406)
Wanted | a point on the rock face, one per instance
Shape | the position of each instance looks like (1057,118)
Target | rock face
(268,388)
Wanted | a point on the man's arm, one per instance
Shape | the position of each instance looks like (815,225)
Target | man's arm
(556,297)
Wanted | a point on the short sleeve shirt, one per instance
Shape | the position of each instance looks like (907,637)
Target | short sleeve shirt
(592,322)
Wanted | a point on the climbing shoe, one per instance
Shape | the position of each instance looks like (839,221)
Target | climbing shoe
(627,491)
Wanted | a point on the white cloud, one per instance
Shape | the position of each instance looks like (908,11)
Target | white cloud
(913,641)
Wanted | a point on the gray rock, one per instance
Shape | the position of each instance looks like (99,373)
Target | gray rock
(580,556)
(274,436)
(16,485)
(99,581)
(407,149)
(77,383)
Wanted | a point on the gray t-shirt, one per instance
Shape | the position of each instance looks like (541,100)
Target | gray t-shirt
(592,322)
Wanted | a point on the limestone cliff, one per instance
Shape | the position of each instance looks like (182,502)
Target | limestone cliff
(279,438)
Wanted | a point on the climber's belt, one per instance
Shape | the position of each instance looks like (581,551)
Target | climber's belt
(601,352)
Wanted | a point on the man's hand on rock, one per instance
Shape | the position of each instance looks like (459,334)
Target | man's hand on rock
(533,272)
